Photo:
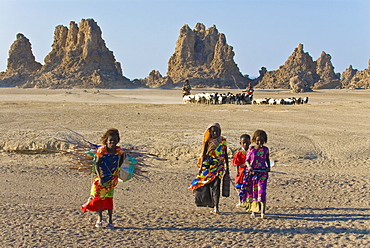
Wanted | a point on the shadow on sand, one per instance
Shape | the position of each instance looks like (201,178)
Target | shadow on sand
(357,214)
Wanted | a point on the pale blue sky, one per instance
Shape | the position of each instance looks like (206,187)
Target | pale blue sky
(142,33)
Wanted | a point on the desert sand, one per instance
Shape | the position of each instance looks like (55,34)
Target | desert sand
(323,148)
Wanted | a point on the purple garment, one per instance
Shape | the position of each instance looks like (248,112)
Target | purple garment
(254,186)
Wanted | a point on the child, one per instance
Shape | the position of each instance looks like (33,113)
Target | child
(109,158)
(239,160)
(213,163)
(253,190)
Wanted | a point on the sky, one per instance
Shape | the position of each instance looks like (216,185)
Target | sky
(142,33)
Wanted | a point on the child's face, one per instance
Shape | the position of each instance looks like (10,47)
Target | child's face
(112,141)
(215,132)
(245,142)
(260,141)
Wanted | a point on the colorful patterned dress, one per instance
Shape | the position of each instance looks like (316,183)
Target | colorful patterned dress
(102,194)
(239,159)
(253,191)
(212,167)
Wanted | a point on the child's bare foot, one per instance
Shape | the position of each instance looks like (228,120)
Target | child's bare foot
(263,216)
(99,224)
(253,215)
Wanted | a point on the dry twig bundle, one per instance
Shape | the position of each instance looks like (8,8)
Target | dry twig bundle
(82,151)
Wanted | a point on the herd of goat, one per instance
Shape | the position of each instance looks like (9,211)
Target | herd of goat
(242,98)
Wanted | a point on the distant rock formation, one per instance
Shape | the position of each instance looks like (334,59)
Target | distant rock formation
(79,58)
(204,57)
(21,63)
(347,76)
(328,79)
(300,73)
(354,79)
(155,80)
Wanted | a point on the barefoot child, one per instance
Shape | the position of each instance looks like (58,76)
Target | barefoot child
(239,160)
(213,163)
(109,159)
(253,190)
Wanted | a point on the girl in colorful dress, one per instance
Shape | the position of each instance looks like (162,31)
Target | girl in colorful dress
(239,160)
(253,190)
(212,164)
(109,158)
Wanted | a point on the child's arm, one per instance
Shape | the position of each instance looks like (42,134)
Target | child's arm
(226,159)
(122,158)
(238,160)
(268,162)
(97,168)
(249,166)
(240,163)
(248,163)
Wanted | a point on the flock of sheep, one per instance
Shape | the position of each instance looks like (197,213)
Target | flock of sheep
(242,98)
(283,101)
(216,98)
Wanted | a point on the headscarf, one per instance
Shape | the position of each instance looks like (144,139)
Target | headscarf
(206,138)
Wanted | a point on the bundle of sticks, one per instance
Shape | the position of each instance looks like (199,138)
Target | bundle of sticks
(82,153)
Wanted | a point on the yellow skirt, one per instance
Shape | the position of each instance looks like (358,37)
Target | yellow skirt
(254,207)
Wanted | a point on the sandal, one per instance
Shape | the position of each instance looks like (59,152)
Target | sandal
(110,225)
(99,224)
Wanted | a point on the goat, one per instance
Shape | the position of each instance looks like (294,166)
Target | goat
(240,98)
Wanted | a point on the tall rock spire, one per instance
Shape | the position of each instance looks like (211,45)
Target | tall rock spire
(21,63)
(80,58)
(325,70)
(204,57)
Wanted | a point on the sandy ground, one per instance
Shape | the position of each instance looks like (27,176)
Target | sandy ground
(321,201)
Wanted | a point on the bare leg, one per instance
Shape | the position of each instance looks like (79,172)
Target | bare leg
(215,193)
(100,219)
(263,210)
(110,216)
(110,219)
(100,215)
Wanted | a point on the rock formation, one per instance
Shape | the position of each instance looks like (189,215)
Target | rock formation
(328,79)
(21,63)
(79,58)
(347,76)
(354,79)
(299,67)
(204,57)
(300,73)
(155,80)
